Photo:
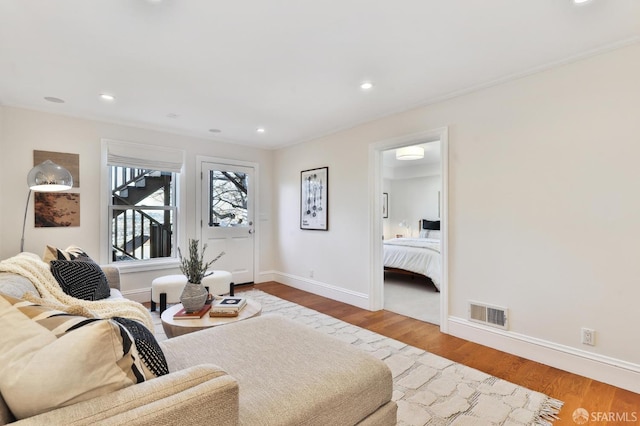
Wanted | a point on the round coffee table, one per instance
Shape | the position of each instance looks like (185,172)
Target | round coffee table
(173,328)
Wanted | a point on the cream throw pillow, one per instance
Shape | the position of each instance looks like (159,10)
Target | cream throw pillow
(70,253)
(51,359)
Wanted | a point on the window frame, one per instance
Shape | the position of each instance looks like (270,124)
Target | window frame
(106,211)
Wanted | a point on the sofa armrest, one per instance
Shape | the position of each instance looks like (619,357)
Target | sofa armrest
(191,396)
(113,275)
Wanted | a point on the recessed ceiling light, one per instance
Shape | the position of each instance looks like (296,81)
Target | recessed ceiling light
(215,130)
(260,130)
(107,97)
(366,85)
(580,1)
(54,100)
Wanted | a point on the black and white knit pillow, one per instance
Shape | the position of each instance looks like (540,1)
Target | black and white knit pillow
(79,279)
(150,353)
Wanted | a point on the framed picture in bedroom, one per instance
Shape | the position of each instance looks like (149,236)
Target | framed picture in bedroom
(385,205)
(314,199)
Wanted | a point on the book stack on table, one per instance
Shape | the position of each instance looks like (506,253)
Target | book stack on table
(183,314)
(227,306)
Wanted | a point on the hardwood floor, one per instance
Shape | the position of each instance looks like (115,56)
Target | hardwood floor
(599,399)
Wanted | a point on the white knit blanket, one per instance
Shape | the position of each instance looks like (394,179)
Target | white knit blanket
(39,273)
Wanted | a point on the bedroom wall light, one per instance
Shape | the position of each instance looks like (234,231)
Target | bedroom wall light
(45,177)
(404,224)
(410,153)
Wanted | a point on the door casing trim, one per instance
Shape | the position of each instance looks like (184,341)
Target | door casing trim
(376,274)
(256,200)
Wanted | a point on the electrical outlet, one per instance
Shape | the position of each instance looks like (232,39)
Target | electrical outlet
(588,336)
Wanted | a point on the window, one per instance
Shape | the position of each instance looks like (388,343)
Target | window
(143,201)
(228,198)
(142,213)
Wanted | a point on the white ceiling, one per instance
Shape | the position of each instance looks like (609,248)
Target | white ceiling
(291,66)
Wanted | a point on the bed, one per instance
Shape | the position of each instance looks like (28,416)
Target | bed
(416,256)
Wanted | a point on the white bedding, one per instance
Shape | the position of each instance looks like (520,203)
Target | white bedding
(419,255)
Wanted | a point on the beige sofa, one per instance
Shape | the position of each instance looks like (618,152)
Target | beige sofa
(261,371)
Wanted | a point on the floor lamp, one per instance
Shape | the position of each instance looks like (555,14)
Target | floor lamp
(45,177)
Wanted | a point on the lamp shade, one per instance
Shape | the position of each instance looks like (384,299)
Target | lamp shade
(410,153)
(49,177)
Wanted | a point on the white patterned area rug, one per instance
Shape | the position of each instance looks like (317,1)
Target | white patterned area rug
(429,390)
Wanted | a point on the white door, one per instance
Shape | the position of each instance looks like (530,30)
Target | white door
(227,218)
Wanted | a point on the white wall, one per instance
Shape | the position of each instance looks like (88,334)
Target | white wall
(4,161)
(335,256)
(543,199)
(22,131)
(411,200)
(408,172)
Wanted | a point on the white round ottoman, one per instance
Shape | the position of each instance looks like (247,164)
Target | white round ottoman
(219,282)
(166,289)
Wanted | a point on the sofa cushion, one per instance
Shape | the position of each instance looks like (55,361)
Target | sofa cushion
(15,285)
(274,359)
(52,359)
(80,279)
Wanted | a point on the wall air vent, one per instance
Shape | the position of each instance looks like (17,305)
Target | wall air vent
(494,316)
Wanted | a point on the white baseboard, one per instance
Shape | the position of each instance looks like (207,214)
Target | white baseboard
(140,295)
(266,276)
(361,300)
(613,371)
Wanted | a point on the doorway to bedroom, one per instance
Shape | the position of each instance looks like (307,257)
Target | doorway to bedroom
(412,188)
(396,218)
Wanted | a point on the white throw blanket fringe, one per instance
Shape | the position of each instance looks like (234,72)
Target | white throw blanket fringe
(39,273)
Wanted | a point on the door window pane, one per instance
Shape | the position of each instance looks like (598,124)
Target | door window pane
(228,198)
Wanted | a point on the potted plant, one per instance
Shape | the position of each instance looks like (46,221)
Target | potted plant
(194,267)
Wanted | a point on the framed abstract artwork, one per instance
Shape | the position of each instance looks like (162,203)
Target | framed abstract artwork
(53,209)
(385,205)
(314,199)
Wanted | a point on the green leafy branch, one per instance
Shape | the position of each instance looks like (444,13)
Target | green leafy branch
(194,267)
